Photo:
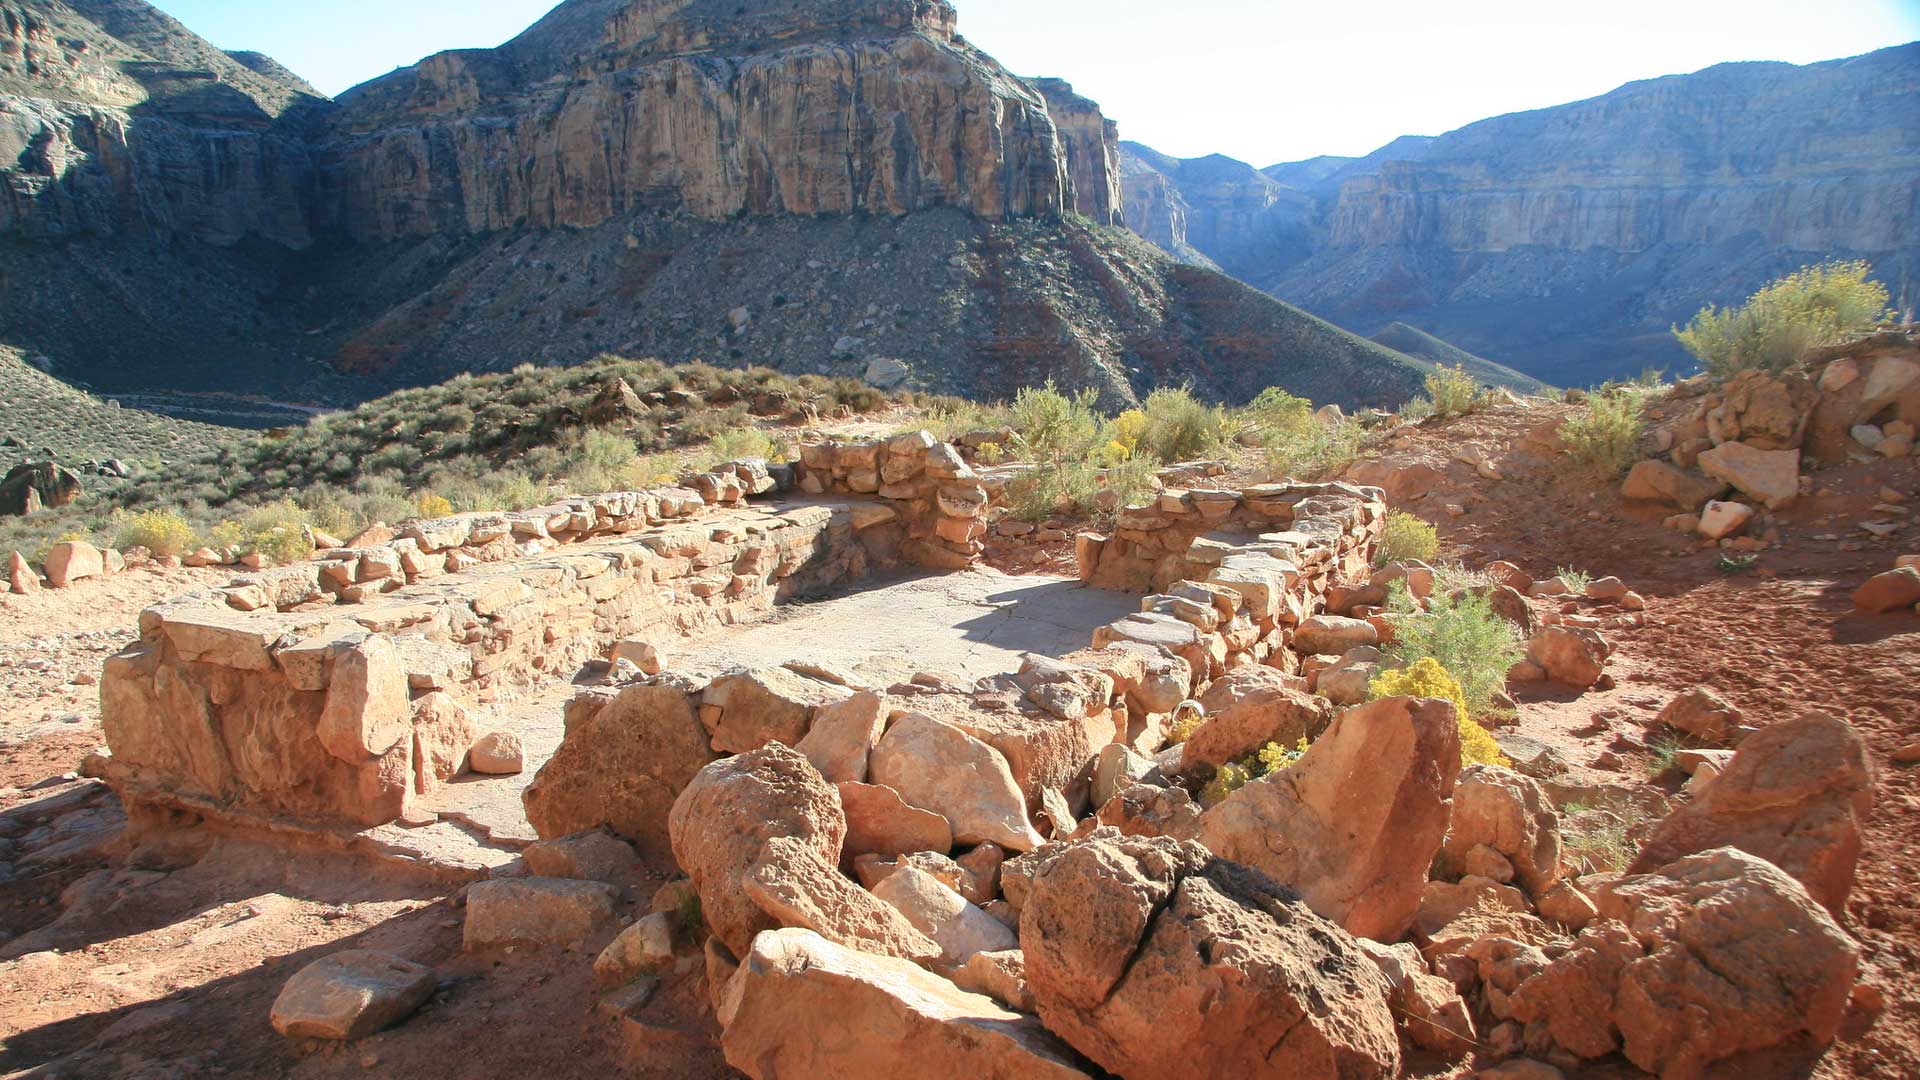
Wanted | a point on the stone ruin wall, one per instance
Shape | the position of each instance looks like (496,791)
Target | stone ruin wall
(337,691)
(1235,581)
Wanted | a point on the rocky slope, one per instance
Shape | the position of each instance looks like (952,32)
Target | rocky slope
(827,186)
(1566,241)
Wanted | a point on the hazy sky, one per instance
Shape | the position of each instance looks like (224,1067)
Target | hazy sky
(1262,80)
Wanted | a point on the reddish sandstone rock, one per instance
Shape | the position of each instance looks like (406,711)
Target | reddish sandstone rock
(879,822)
(622,767)
(746,711)
(726,815)
(1703,714)
(1656,481)
(1572,655)
(1713,956)
(801,1006)
(1356,822)
(843,734)
(1795,794)
(1157,961)
(938,767)
(794,885)
(1501,811)
(1894,590)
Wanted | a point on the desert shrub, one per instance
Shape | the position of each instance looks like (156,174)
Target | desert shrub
(277,530)
(1320,448)
(1274,757)
(1184,725)
(1452,390)
(1275,415)
(431,505)
(1428,678)
(1133,481)
(1122,435)
(1595,841)
(741,443)
(1051,427)
(1814,306)
(162,532)
(1231,778)
(1460,632)
(1179,426)
(1407,537)
(1575,579)
(1605,437)
(951,418)
(1053,490)
(1418,409)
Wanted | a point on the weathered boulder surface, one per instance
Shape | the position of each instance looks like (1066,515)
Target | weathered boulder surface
(801,1007)
(350,995)
(1574,655)
(796,887)
(937,910)
(1653,480)
(1895,590)
(1712,956)
(1772,476)
(536,911)
(748,710)
(623,768)
(1249,708)
(1501,811)
(1795,794)
(1355,823)
(940,768)
(1158,961)
(721,823)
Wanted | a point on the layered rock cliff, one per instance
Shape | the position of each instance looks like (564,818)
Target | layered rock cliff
(832,186)
(1565,241)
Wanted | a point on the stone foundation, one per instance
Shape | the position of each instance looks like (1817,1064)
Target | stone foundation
(342,712)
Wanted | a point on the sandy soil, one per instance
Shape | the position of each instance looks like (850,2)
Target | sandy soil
(161,961)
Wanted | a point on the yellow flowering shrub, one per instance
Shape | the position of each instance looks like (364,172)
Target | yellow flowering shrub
(1426,678)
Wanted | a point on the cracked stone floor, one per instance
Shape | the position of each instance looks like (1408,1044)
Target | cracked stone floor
(974,625)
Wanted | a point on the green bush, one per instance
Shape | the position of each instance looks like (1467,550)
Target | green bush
(1452,390)
(162,532)
(1297,443)
(1276,415)
(1463,634)
(276,530)
(1814,306)
(1180,427)
(1605,437)
(742,443)
(1053,490)
(1407,537)
(1051,427)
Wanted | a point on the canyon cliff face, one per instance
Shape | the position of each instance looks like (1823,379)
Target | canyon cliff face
(840,187)
(1564,242)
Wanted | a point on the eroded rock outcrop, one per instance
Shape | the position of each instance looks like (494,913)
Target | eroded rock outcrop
(1700,960)
(1795,794)
(1156,960)
(1355,823)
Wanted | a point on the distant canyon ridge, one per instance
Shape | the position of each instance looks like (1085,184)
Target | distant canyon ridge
(1565,242)
(850,188)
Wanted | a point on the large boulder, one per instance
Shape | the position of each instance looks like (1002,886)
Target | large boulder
(1703,714)
(1573,655)
(938,767)
(1772,476)
(797,888)
(622,768)
(536,911)
(74,560)
(1896,590)
(1795,794)
(350,995)
(721,823)
(880,822)
(937,910)
(1716,955)
(36,486)
(748,710)
(1356,822)
(1656,481)
(843,734)
(801,1007)
(1249,708)
(1158,961)
(1499,812)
